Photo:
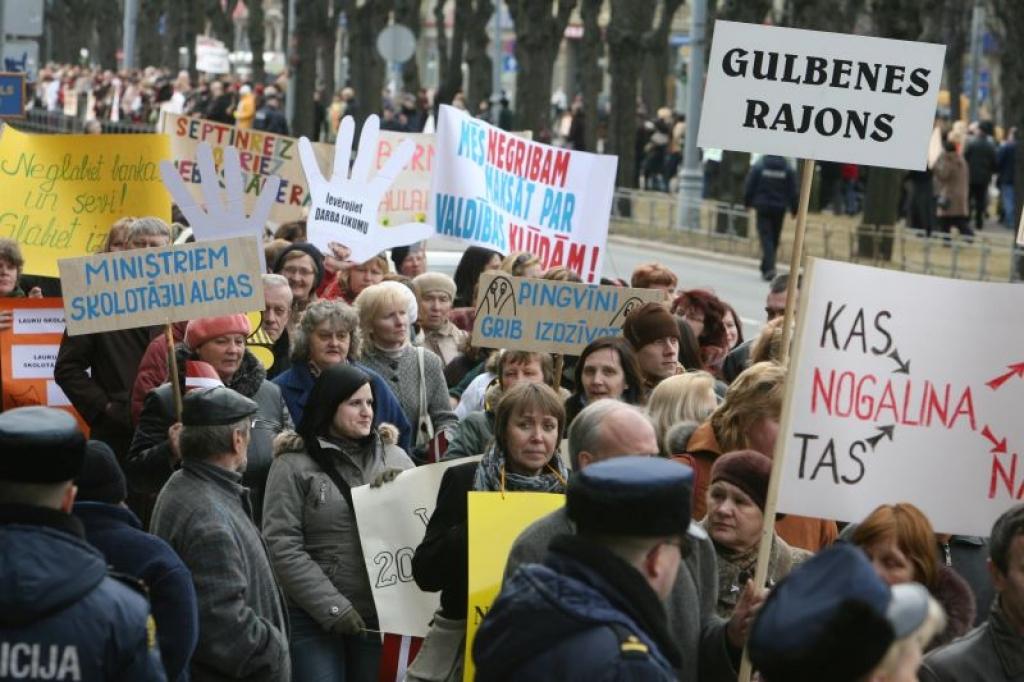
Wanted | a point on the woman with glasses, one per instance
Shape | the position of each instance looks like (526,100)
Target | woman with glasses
(528,426)
(302,265)
(311,529)
(220,343)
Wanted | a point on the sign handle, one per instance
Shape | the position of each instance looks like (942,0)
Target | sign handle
(173,366)
(556,380)
(772,500)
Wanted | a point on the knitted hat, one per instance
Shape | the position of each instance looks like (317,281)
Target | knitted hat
(648,323)
(309,250)
(202,330)
(747,470)
(398,253)
(101,479)
(434,281)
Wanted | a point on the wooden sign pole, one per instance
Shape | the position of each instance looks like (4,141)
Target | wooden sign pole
(771,502)
(172,365)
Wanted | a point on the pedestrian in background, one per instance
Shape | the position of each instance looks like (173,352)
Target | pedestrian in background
(770,190)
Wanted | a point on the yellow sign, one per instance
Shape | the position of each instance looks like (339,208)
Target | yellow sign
(63,192)
(495,521)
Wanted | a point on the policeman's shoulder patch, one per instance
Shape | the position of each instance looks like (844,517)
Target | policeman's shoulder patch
(130,581)
(630,646)
(150,633)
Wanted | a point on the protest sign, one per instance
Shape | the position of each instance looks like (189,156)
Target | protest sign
(817,95)
(885,406)
(261,155)
(408,198)
(546,316)
(495,521)
(12,95)
(28,353)
(212,55)
(63,192)
(392,521)
(144,287)
(494,189)
(345,207)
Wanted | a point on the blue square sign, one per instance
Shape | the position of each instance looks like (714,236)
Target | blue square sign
(12,95)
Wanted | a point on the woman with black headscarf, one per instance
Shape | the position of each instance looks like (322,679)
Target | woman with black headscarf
(311,531)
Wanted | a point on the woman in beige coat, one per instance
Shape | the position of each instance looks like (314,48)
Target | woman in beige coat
(951,179)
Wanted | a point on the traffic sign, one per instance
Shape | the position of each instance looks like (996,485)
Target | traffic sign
(396,43)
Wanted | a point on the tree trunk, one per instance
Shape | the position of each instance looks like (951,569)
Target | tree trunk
(148,40)
(218,17)
(257,35)
(367,66)
(538,38)
(450,50)
(629,20)
(109,25)
(956,35)
(407,13)
(302,58)
(591,47)
(656,57)
(327,41)
(1010,14)
(478,56)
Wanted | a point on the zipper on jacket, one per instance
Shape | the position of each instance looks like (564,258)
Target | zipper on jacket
(322,495)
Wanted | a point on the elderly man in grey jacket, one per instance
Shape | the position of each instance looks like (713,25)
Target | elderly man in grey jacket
(993,651)
(203,512)
(711,646)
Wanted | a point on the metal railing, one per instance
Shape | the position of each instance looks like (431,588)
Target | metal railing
(41,121)
(731,229)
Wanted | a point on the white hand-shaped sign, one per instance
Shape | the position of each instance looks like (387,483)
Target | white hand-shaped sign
(216,219)
(344,208)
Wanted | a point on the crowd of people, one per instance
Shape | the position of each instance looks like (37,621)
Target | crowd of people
(225,497)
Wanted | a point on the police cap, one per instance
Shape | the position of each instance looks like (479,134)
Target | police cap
(40,445)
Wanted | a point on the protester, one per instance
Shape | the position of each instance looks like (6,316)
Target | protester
(705,314)
(688,397)
(245,112)
(767,345)
(733,328)
(654,335)
(900,542)
(61,615)
(114,530)
(270,118)
(204,513)
(476,430)
(774,308)
(1006,174)
(607,368)
(311,529)
(327,335)
(522,264)
(710,646)
(612,577)
(220,342)
(277,298)
(97,371)
(302,265)
(523,457)
(654,276)
(968,556)
(411,260)
(951,190)
(770,190)
(735,519)
(435,293)
(980,155)
(414,374)
(834,619)
(993,652)
(117,237)
(351,281)
(475,261)
(11,265)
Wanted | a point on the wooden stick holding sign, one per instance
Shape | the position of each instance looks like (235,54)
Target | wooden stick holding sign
(172,363)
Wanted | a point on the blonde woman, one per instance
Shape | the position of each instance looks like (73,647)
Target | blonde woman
(686,397)
(522,264)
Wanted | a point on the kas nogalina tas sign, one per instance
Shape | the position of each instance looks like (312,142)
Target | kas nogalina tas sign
(896,397)
(495,189)
(824,96)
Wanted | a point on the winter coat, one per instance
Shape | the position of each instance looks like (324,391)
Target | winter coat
(993,652)
(117,532)
(446,342)
(203,513)
(736,568)
(771,185)
(950,175)
(980,155)
(58,604)
(957,601)
(582,615)
(96,372)
(968,556)
(149,459)
(403,376)
(153,368)
(472,436)
(699,634)
(297,382)
(1006,163)
(311,529)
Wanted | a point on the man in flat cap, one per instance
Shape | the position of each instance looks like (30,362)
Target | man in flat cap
(62,617)
(203,513)
(594,609)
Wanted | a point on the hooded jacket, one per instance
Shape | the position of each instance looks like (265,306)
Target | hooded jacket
(62,617)
(584,614)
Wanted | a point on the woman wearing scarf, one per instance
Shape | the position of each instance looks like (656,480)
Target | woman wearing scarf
(311,530)
(529,422)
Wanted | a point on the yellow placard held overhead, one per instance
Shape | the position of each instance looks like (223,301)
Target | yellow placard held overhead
(495,521)
(62,192)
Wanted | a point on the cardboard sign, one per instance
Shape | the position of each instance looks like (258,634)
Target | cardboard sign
(144,287)
(261,155)
(392,521)
(495,521)
(63,192)
(494,189)
(408,198)
(545,316)
(345,207)
(12,95)
(28,353)
(816,95)
(899,397)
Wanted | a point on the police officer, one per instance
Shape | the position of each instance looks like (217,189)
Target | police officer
(608,620)
(770,190)
(62,617)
